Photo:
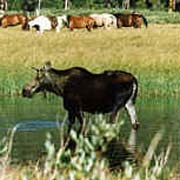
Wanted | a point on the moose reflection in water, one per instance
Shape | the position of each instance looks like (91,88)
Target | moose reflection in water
(83,91)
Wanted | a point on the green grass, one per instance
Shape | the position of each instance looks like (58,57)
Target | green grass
(151,54)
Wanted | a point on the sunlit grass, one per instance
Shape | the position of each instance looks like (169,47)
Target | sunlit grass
(151,54)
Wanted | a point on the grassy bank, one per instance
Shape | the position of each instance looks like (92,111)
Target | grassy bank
(151,54)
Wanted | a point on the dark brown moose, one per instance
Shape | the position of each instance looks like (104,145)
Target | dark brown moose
(83,91)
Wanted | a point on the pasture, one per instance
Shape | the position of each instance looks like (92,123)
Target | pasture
(151,54)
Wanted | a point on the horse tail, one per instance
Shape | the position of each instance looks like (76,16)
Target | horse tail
(144,20)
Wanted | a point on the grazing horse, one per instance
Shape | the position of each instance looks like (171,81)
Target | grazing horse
(13,20)
(42,23)
(83,91)
(130,20)
(80,22)
(106,20)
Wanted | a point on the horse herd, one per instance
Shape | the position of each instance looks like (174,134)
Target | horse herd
(43,23)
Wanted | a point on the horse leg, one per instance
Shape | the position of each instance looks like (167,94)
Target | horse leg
(71,26)
(4,25)
(119,23)
(58,27)
(132,114)
(107,24)
(88,27)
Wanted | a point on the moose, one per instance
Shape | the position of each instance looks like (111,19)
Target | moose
(83,91)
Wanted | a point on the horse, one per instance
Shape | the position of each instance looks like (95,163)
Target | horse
(105,19)
(84,91)
(13,20)
(131,20)
(80,22)
(42,23)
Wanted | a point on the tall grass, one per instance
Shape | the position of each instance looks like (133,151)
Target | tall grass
(151,54)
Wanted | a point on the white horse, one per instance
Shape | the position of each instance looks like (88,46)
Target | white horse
(105,19)
(43,23)
(62,22)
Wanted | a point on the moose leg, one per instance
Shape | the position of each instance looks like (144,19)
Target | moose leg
(71,117)
(114,115)
(81,121)
(132,114)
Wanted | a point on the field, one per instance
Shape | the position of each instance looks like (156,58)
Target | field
(151,54)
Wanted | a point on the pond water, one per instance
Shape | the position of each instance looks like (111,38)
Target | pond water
(36,117)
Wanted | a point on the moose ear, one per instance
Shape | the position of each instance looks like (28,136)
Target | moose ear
(47,65)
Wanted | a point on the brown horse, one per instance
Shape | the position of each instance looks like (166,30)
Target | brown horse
(80,22)
(130,20)
(13,20)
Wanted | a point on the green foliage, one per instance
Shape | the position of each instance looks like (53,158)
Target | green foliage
(94,4)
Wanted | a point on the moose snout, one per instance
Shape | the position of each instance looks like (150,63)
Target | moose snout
(26,93)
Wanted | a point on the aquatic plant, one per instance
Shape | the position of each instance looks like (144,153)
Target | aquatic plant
(87,160)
